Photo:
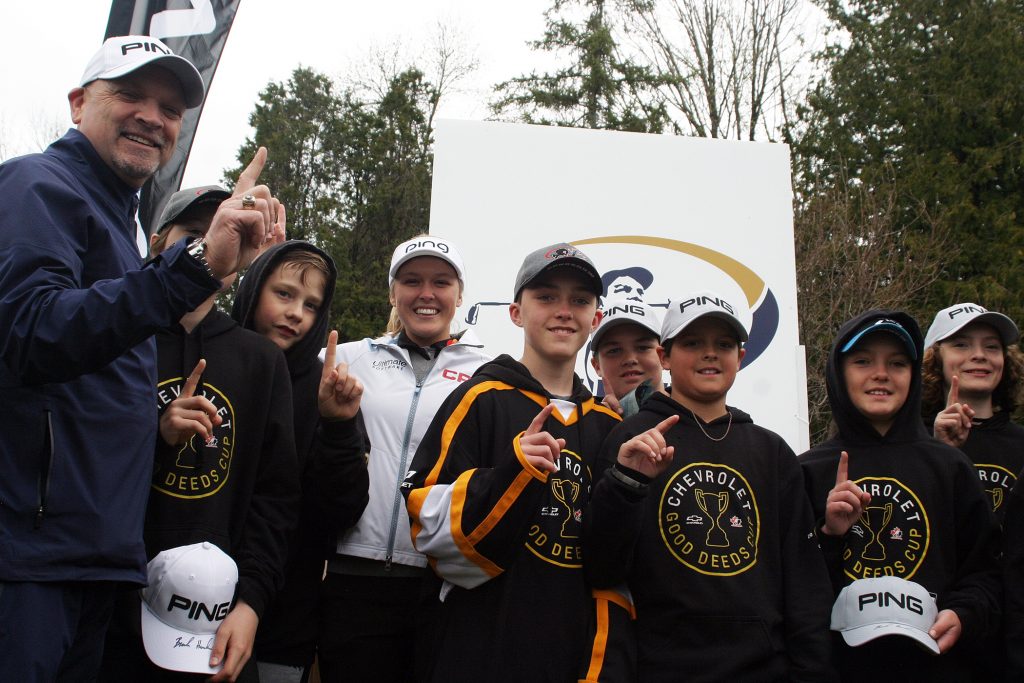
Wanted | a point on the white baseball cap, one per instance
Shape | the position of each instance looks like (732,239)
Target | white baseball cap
(682,312)
(426,245)
(887,606)
(951,320)
(620,312)
(121,55)
(190,591)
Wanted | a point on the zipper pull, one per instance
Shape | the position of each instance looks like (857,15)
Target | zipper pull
(39,517)
(387,563)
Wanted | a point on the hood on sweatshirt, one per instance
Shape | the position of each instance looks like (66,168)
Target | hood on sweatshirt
(303,353)
(853,426)
(506,369)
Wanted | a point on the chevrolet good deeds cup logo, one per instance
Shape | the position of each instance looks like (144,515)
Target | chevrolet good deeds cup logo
(195,469)
(997,482)
(891,537)
(555,536)
(759,298)
(709,520)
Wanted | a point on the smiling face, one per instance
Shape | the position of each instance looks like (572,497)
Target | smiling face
(133,122)
(557,313)
(877,373)
(628,355)
(289,304)
(703,360)
(426,293)
(975,354)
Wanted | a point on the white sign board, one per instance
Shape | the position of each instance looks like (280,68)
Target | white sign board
(660,216)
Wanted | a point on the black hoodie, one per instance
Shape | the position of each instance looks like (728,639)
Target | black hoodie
(718,552)
(331,463)
(240,491)
(503,535)
(930,522)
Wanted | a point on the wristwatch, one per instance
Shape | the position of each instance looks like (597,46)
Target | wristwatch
(197,250)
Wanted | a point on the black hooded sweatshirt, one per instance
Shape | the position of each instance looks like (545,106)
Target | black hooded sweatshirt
(929,523)
(331,465)
(718,552)
(241,491)
(503,535)
(996,447)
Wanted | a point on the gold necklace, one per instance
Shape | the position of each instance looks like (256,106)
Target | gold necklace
(704,431)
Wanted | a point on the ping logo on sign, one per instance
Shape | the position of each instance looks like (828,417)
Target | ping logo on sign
(911,603)
(197,609)
(705,300)
(440,246)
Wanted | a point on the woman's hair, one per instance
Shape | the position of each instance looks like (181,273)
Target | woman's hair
(1007,395)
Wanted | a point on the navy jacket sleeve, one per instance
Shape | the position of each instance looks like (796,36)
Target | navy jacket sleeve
(63,312)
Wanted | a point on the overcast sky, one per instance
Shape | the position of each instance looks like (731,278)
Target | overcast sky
(45,44)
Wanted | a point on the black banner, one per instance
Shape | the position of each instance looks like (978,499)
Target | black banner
(196,30)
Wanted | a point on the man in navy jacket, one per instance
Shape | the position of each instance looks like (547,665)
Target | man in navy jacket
(78,410)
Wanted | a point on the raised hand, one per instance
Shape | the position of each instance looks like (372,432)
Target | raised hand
(846,501)
(339,393)
(953,425)
(189,415)
(237,233)
(648,453)
(538,446)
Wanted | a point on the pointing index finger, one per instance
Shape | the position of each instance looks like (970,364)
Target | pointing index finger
(842,471)
(537,425)
(667,423)
(954,391)
(330,352)
(189,390)
(247,179)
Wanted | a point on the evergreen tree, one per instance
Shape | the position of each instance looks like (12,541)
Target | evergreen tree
(598,88)
(934,91)
(354,173)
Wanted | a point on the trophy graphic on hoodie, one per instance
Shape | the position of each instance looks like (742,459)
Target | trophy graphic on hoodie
(717,538)
(875,519)
(567,498)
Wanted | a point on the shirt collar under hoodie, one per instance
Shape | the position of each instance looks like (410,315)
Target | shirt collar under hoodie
(854,428)
(303,354)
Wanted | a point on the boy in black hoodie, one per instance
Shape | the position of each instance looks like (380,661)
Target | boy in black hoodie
(892,501)
(286,296)
(498,487)
(225,469)
(715,545)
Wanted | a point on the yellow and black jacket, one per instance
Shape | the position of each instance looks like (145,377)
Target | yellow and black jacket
(504,538)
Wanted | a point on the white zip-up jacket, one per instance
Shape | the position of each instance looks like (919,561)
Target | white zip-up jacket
(396,412)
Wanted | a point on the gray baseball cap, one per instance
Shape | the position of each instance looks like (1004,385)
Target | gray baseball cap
(561,255)
(182,200)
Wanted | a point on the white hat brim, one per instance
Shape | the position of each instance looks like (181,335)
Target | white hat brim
(174,649)
(863,634)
